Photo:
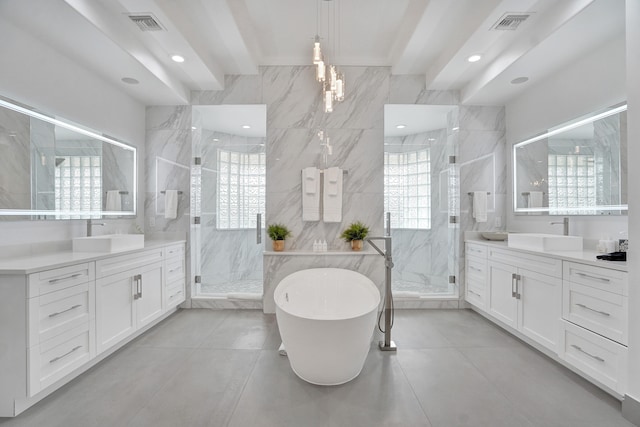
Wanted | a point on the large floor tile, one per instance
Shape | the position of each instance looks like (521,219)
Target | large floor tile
(186,329)
(465,328)
(110,394)
(548,393)
(203,392)
(413,330)
(245,329)
(453,392)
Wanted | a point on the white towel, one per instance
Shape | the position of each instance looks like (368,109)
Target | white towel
(332,198)
(480,206)
(535,201)
(310,194)
(114,201)
(171,204)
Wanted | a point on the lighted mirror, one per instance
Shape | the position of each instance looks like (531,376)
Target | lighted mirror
(52,169)
(577,168)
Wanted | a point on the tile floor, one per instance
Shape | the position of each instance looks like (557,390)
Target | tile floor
(222,368)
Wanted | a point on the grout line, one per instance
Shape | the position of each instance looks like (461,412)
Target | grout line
(244,386)
(415,395)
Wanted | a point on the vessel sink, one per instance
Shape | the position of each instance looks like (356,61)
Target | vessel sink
(544,242)
(108,243)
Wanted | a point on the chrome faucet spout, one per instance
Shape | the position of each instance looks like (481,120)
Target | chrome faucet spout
(565,224)
(90,225)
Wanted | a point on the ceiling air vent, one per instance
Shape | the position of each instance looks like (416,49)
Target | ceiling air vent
(146,22)
(510,21)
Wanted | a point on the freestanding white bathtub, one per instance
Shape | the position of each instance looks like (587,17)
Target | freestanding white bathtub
(326,318)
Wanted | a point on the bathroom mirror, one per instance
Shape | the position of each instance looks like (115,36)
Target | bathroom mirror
(52,169)
(577,168)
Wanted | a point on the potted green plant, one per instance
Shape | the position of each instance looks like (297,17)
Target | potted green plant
(277,233)
(355,233)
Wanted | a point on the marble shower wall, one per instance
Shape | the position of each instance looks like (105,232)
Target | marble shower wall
(15,160)
(168,167)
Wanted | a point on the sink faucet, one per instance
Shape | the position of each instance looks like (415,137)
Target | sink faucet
(565,224)
(90,225)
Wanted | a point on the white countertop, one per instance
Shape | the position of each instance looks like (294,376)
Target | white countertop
(586,256)
(28,264)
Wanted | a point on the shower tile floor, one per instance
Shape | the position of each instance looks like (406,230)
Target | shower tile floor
(222,368)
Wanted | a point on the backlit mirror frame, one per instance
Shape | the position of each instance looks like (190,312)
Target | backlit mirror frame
(51,214)
(603,210)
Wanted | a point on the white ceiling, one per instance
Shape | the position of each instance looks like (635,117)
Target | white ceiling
(218,37)
(415,118)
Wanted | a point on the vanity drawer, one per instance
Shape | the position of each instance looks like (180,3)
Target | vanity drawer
(540,264)
(52,360)
(118,264)
(57,312)
(174,251)
(602,312)
(476,250)
(476,269)
(53,280)
(596,277)
(598,357)
(175,270)
(175,294)
(476,293)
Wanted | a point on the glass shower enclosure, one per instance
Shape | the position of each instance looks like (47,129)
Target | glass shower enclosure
(421,192)
(228,200)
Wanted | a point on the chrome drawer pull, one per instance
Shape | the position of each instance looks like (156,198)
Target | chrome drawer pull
(476,269)
(604,313)
(599,359)
(475,293)
(64,311)
(176,294)
(175,269)
(593,277)
(73,276)
(55,359)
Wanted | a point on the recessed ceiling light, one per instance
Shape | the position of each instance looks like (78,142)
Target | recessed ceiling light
(401,126)
(455,128)
(194,128)
(215,140)
(177,58)
(519,80)
(432,139)
(130,80)
(246,127)
(474,58)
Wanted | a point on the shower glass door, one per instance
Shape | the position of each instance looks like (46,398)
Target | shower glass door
(230,180)
(421,193)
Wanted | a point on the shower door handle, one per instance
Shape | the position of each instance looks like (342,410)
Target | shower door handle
(259,228)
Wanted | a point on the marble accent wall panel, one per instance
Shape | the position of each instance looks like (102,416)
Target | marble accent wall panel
(117,167)
(43,164)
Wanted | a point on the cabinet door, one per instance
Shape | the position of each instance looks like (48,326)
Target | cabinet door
(149,303)
(540,307)
(115,309)
(501,304)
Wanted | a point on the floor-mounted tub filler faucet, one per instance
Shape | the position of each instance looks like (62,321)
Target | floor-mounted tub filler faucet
(90,225)
(565,224)
(387,344)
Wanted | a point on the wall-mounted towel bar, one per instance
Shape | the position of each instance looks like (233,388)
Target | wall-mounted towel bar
(164,192)
(120,192)
(344,171)
(471,193)
(526,193)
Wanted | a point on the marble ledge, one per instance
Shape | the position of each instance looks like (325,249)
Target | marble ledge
(312,253)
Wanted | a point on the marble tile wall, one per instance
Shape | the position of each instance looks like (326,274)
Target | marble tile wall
(294,116)
(15,160)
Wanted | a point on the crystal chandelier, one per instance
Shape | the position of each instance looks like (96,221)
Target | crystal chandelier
(332,80)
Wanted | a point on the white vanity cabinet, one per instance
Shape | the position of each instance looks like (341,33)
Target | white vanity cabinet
(476,274)
(62,313)
(129,295)
(175,279)
(594,329)
(525,293)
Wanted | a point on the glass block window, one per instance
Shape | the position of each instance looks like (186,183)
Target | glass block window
(572,183)
(78,185)
(241,189)
(407,189)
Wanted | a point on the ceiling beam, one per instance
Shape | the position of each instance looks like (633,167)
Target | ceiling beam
(546,24)
(120,34)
